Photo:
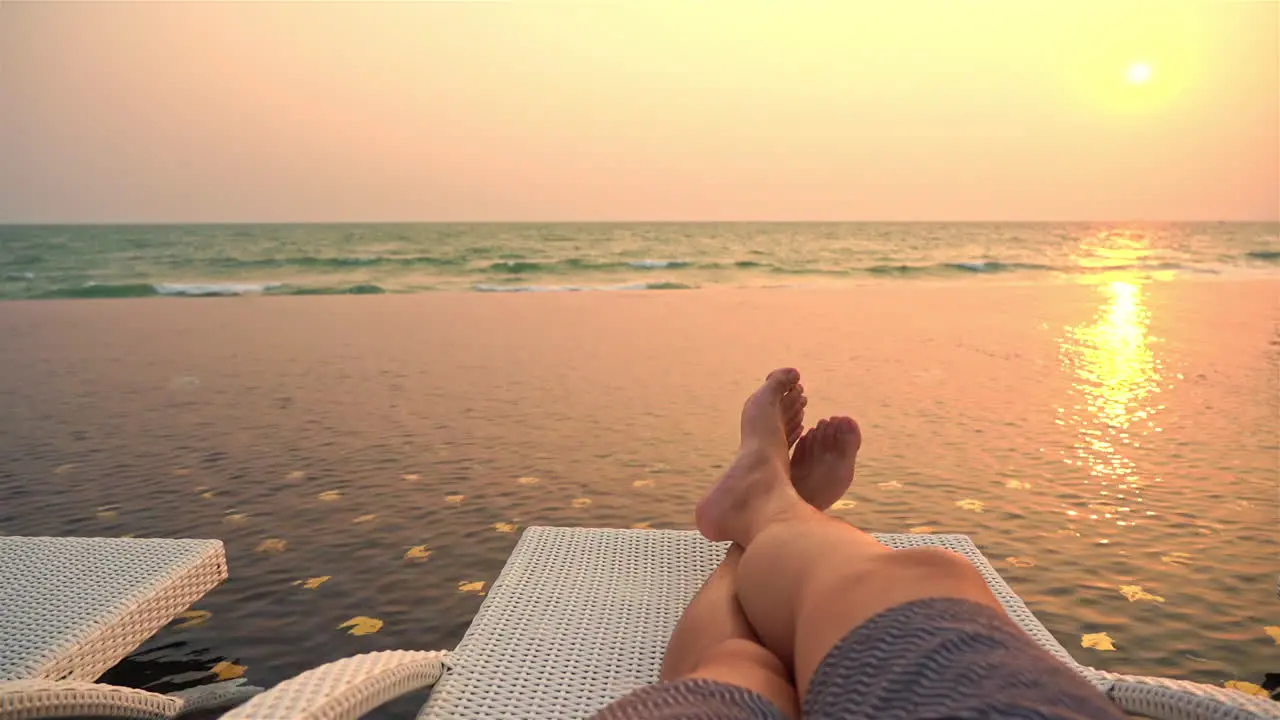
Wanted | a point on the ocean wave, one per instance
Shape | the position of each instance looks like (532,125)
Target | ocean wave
(337,263)
(140,290)
(486,288)
(362,289)
(782,270)
(655,264)
(94,290)
(993,267)
(965,268)
(213,289)
(521,267)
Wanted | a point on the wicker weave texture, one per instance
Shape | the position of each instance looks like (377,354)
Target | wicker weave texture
(580,617)
(33,699)
(346,688)
(1182,700)
(217,696)
(576,619)
(70,608)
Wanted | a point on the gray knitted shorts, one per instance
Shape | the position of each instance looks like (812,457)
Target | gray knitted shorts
(937,658)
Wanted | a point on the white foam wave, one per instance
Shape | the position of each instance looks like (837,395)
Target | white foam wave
(213,288)
(573,288)
(652,264)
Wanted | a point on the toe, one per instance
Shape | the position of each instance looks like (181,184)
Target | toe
(794,426)
(794,434)
(803,446)
(848,436)
(783,380)
(794,408)
(794,401)
(820,432)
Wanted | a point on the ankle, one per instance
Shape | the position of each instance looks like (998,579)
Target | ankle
(783,508)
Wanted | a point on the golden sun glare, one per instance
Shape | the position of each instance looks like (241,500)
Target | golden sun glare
(1139,73)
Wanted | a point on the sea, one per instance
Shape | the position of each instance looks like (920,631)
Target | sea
(142,261)
(368,416)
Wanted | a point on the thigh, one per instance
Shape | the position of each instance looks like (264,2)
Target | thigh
(835,606)
(749,665)
(737,680)
(947,658)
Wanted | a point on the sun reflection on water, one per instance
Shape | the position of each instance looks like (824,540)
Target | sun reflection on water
(1116,376)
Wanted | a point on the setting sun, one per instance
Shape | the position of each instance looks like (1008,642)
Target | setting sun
(1139,73)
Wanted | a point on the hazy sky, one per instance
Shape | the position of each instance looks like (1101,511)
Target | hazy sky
(639,110)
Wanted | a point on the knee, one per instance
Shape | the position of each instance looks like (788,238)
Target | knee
(744,654)
(931,559)
(749,665)
(933,566)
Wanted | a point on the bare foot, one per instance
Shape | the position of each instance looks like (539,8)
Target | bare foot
(793,404)
(823,459)
(756,488)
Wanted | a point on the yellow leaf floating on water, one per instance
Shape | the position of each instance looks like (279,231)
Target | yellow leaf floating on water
(235,518)
(1177,558)
(890,485)
(528,480)
(1247,687)
(581,502)
(313,583)
(329,495)
(1020,562)
(271,546)
(1097,641)
(65,468)
(970,505)
(192,618)
(1135,593)
(208,494)
(362,625)
(642,483)
(1273,631)
(107,512)
(228,670)
(295,475)
(1017,485)
(475,588)
(410,477)
(504,527)
(417,552)
(844,505)
(182,472)
(454,499)
(365,519)
(641,526)
(921,530)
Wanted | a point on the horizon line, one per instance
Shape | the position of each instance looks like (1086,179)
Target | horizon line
(232,223)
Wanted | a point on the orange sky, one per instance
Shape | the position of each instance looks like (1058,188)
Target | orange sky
(653,110)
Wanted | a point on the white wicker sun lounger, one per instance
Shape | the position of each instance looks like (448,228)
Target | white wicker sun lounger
(71,608)
(580,617)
